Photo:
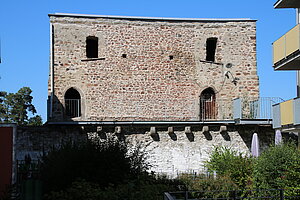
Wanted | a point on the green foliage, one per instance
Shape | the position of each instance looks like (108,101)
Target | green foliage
(229,163)
(107,170)
(104,163)
(278,167)
(34,121)
(144,187)
(14,108)
(202,182)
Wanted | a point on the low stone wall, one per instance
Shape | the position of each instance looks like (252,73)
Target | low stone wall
(170,149)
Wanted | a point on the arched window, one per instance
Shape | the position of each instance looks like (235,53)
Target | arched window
(208,104)
(73,103)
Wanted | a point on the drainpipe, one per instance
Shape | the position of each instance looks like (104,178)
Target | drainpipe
(51,69)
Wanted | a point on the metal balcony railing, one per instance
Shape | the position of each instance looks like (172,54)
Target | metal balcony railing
(287,48)
(254,107)
(73,107)
(215,109)
(287,113)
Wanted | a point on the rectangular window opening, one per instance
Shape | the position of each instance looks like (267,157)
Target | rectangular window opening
(92,47)
(211,44)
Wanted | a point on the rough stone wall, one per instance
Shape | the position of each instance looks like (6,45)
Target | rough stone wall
(169,154)
(147,84)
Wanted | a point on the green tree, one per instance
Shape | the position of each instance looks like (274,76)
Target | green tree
(14,108)
(235,165)
(110,170)
(278,167)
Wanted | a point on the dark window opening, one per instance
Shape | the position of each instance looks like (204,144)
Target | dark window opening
(72,103)
(211,44)
(92,47)
(124,56)
(171,57)
(208,104)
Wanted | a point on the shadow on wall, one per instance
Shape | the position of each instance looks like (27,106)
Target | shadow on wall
(69,110)
(266,136)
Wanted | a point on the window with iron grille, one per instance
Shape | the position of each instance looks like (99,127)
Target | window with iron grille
(208,104)
(72,103)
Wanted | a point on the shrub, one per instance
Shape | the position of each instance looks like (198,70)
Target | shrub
(278,167)
(104,163)
(145,187)
(232,164)
(202,182)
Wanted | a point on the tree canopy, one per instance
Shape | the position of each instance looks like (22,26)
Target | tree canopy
(15,107)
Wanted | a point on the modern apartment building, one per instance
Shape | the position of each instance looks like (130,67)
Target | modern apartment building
(286,56)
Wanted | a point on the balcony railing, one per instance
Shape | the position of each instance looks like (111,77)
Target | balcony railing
(254,107)
(286,114)
(286,50)
(215,109)
(239,108)
(73,107)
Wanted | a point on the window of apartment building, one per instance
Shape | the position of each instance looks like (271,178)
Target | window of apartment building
(211,44)
(92,47)
(72,103)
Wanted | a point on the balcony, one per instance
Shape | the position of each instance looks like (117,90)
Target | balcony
(287,4)
(286,50)
(244,109)
(286,115)
(254,108)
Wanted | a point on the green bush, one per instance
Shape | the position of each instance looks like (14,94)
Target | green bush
(232,164)
(107,170)
(210,187)
(145,187)
(278,167)
(104,163)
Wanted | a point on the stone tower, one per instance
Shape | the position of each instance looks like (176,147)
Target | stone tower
(116,68)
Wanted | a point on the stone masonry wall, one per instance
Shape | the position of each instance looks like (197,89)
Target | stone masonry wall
(167,153)
(148,85)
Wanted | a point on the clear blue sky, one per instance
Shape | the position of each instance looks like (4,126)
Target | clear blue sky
(24,32)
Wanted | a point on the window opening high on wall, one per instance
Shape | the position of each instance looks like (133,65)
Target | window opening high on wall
(211,44)
(92,47)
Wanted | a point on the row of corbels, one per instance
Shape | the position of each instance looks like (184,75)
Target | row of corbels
(187,130)
(153,131)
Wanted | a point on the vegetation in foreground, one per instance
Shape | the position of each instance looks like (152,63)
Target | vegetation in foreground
(112,170)
(102,170)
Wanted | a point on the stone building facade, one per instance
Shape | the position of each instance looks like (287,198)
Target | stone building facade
(166,84)
(112,68)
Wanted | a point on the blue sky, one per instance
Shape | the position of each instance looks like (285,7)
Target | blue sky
(24,32)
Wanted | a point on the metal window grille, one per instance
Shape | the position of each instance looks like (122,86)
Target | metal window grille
(73,107)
